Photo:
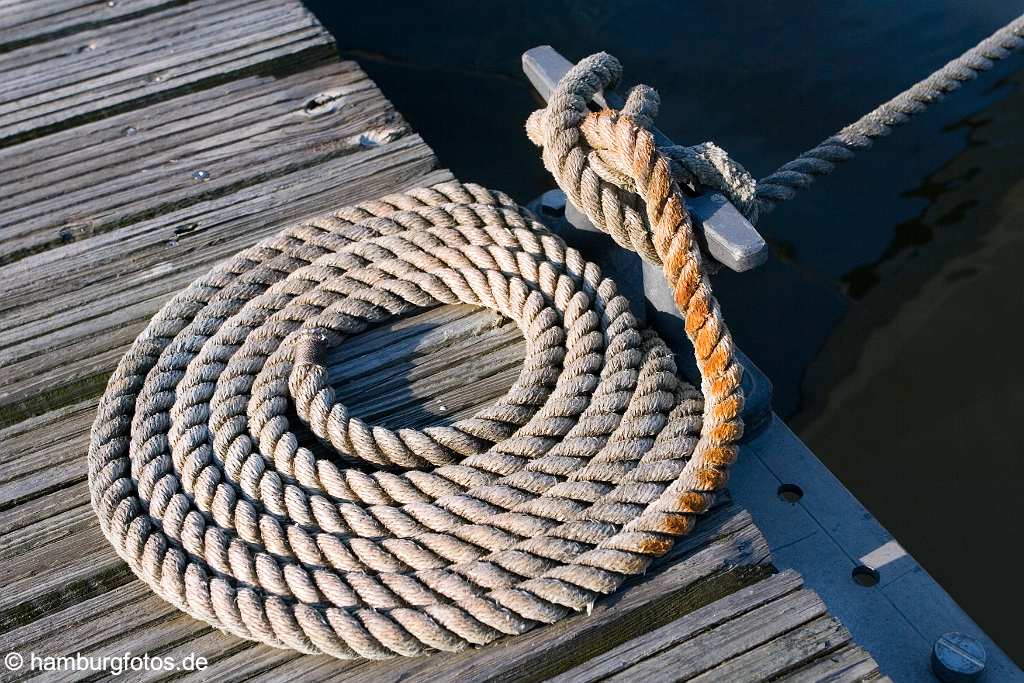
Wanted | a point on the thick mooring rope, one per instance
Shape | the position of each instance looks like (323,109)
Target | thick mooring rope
(407,541)
(708,165)
(821,160)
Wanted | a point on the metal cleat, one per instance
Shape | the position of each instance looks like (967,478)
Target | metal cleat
(730,239)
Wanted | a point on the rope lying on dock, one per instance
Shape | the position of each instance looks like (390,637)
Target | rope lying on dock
(406,541)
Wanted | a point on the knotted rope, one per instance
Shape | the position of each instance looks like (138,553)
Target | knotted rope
(407,541)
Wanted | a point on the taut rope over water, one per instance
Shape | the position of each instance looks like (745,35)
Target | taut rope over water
(708,165)
(821,159)
(407,541)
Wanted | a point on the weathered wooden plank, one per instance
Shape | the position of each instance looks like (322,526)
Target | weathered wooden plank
(42,505)
(97,72)
(84,626)
(445,371)
(214,646)
(101,53)
(59,573)
(705,651)
(189,151)
(121,279)
(39,456)
(151,638)
(23,23)
(15,546)
(130,618)
(846,665)
(131,257)
(789,651)
(252,662)
(147,253)
(171,133)
(651,643)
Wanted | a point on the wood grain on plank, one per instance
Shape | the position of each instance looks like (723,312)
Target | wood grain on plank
(41,505)
(847,665)
(789,651)
(23,23)
(448,368)
(42,455)
(128,143)
(651,643)
(145,253)
(77,565)
(181,153)
(697,655)
(95,72)
(86,625)
(80,305)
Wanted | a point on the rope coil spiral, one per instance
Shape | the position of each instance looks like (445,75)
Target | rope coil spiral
(410,541)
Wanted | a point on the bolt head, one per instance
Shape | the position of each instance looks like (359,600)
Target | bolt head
(958,658)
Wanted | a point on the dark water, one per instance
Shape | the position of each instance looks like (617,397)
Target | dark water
(890,316)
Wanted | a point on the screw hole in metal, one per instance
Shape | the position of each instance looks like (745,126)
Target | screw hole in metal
(864,575)
(790,493)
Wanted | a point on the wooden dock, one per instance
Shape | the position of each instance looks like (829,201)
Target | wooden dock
(142,141)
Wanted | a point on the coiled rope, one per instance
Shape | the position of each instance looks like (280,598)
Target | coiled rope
(406,541)
(707,164)
(410,541)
